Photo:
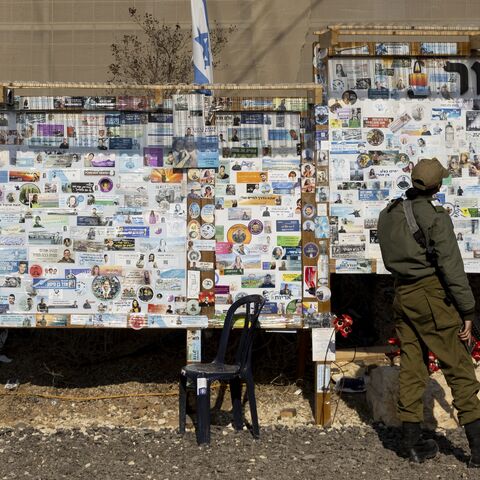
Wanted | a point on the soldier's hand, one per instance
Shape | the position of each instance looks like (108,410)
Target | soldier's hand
(465,334)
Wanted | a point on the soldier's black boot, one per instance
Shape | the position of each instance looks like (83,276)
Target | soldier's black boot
(414,446)
(472,431)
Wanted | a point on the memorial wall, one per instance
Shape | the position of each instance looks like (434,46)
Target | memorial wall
(121,211)
(383,115)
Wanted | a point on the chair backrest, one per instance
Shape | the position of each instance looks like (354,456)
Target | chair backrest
(253,306)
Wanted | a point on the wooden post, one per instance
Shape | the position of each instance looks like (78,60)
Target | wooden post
(322,368)
(201,243)
(207,252)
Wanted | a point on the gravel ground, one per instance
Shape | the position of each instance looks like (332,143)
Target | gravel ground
(123,438)
(281,453)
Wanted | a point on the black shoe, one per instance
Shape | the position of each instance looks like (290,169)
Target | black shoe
(422,450)
(414,446)
(472,431)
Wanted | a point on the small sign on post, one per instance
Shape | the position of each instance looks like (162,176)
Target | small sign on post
(322,394)
(323,377)
(323,352)
(194,346)
(323,344)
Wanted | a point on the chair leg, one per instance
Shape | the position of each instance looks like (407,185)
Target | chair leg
(182,404)
(253,405)
(203,411)
(236,394)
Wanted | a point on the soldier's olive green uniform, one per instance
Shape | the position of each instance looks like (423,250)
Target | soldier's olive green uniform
(426,319)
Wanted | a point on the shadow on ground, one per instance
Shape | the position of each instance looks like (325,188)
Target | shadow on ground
(390,439)
(92,358)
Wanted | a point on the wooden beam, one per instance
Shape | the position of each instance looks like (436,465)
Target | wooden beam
(436,30)
(332,265)
(475,42)
(173,86)
(325,39)
(408,33)
(364,354)
(322,400)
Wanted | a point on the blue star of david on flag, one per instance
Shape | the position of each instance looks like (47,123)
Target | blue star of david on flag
(202,54)
(204,42)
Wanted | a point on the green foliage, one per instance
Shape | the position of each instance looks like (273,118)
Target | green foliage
(161,53)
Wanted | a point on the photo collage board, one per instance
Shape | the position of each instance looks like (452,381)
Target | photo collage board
(119,212)
(384,115)
(257,210)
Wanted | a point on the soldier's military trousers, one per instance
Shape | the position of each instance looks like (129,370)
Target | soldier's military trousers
(425,321)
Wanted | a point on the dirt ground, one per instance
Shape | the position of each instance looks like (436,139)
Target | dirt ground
(81,436)
(281,453)
(46,364)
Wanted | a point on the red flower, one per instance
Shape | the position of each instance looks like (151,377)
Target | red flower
(395,351)
(343,325)
(433,363)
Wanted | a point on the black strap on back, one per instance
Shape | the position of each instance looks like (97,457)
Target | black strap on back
(416,231)
(394,203)
(421,237)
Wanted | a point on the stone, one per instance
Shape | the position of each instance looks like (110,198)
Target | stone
(382,395)
(171,422)
(288,413)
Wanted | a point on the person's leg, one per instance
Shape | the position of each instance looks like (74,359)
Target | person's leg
(412,380)
(455,360)
(472,430)
(413,372)
(457,367)
(456,364)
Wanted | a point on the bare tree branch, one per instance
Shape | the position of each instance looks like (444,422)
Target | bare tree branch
(160,53)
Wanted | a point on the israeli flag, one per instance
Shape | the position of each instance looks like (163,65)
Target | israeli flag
(202,54)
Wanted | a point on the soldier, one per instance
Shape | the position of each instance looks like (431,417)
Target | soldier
(432,299)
